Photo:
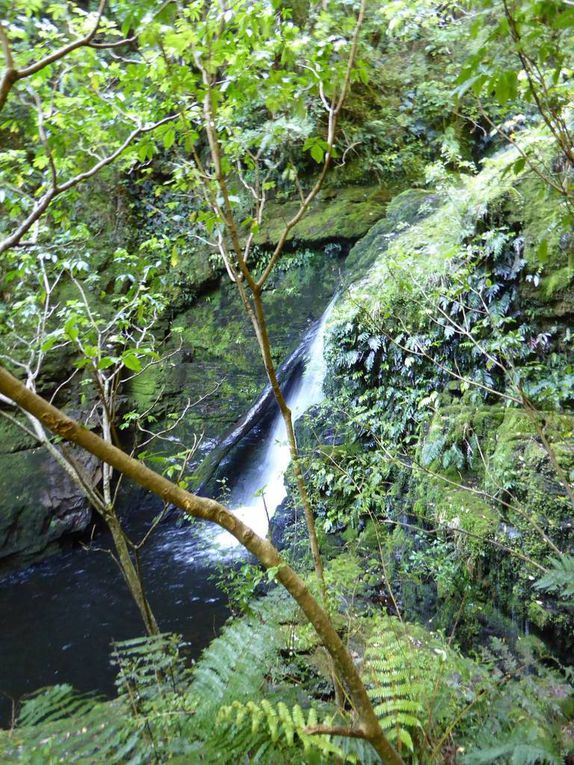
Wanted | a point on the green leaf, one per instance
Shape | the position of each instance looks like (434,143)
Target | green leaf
(317,153)
(560,577)
(107,361)
(70,329)
(51,341)
(169,137)
(131,361)
(506,86)
(542,253)
(564,20)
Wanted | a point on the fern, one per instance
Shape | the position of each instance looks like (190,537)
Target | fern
(395,684)
(560,577)
(280,724)
(235,664)
(54,704)
(59,725)
(525,747)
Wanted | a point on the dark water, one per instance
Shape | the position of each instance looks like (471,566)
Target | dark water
(58,617)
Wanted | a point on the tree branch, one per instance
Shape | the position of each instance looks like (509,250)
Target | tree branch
(210,510)
(12,74)
(55,190)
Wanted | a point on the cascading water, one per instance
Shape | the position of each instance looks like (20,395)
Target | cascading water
(258,493)
(67,609)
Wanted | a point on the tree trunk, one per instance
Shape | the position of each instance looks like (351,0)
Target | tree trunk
(130,573)
(210,510)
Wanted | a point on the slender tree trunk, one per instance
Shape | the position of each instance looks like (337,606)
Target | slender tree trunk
(108,514)
(131,575)
(210,510)
(265,347)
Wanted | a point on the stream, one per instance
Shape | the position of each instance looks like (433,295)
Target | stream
(58,617)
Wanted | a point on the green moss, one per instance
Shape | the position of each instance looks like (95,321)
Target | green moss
(558,281)
(405,209)
(460,427)
(218,368)
(13,438)
(537,614)
(336,214)
(464,514)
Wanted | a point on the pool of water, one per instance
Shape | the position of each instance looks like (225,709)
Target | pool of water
(59,617)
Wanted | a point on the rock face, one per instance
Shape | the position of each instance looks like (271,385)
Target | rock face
(488,474)
(216,366)
(39,504)
(219,368)
(336,214)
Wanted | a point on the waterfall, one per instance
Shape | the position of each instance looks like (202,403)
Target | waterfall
(261,489)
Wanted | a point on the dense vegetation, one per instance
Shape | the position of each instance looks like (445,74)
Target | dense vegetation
(183,182)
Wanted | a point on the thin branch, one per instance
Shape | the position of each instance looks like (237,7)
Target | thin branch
(116,44)
(43,203)
(336,730)
(12,75)
(334,111)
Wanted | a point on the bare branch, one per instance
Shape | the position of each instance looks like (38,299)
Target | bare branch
(336,730)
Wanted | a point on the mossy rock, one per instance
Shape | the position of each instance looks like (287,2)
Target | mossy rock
(521,464)
(14,439)
(219,367)
(40,504)
(464,515)
(404,210)
(337,214)
(454,426)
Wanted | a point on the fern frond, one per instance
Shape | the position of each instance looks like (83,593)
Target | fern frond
(516,754)
(149,665)
(94,732)
(53,704)
(282,724)
(560,577)
(394,673)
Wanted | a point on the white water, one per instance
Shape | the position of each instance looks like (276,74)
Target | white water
(261,489)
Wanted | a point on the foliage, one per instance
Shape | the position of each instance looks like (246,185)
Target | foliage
(395,683)
(432,354)
(521,55)
(279,725)
(560,577)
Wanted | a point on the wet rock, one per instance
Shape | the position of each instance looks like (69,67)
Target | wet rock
(39,504)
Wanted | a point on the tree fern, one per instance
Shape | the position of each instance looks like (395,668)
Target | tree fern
(526,746)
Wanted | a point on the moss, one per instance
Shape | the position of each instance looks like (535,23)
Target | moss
(145,388)
(537,614)
(13,438)
(219,365)
(404,209)
(460,426)
(457,509)
(336,214)
(393,262)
